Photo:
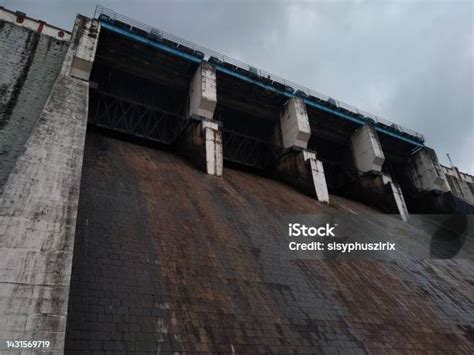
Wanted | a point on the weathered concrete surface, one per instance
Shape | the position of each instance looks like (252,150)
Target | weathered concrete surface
(201,143)
(294,124)
(367,150)
(461,184)
(19,20)
(83,47)
(317,176)
(298,166)
(300,169)
(395,190)
(426,172)
(168,259)
(38,210)
(30,63)
(203,92)
(377,189)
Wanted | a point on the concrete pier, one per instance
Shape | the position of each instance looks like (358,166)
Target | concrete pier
(375,186)
(367,150)
(378,189)
(426,172)
(299,166)
(203,92)
(202,140)
(294,124)
(398,200)
(201,143)
(433,190)
(317,176)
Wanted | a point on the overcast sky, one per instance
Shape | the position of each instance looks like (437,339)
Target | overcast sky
(406,61)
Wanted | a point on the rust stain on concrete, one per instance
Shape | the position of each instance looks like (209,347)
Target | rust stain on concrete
(169,259)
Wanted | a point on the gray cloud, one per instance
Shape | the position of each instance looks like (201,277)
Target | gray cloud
(409,62)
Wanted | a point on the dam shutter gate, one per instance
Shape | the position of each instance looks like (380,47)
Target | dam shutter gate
(246,150)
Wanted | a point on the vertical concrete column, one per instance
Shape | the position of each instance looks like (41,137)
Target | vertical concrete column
(298,166)
(81,53)
(378,187)
(366,149)
(202,141)
(214,153)
(203,146)
(397,199)
(426,172)
(317,174)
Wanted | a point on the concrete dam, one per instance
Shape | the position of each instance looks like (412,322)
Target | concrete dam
(143,181)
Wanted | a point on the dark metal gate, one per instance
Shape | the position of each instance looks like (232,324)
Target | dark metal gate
(137,119)
(246,150)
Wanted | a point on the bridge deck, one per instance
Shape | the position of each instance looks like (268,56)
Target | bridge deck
(161,40)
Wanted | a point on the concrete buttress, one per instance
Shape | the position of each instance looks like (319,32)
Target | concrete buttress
(38,209)
(367,150)
(202,139)
(297,165)
(426,172)
(376,186)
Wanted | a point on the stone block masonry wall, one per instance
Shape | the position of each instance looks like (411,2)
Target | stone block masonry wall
(168,259)
(38,210)
(29,65)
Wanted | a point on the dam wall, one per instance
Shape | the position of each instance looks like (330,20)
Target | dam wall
(30,63)
(44,118)
(169,259)
(110,240)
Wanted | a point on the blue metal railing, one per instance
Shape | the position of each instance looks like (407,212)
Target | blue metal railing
(199,53)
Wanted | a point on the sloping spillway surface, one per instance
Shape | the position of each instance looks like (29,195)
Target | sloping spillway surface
(169,259)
